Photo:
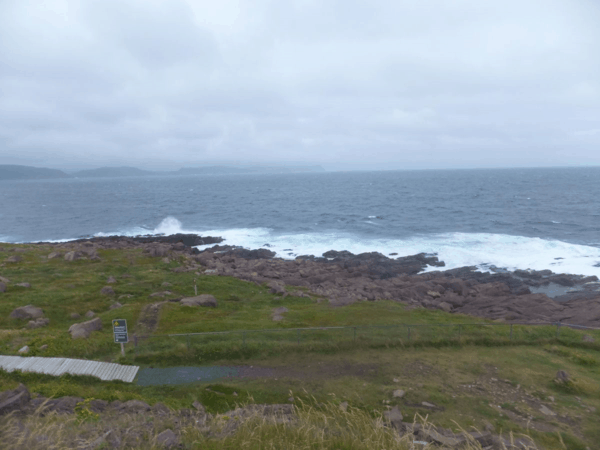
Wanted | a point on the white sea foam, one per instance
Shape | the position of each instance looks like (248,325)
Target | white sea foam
(455,249)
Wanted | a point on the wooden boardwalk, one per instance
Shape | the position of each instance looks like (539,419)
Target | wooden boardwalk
(57,366)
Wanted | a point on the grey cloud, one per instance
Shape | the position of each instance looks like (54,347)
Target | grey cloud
(343,83)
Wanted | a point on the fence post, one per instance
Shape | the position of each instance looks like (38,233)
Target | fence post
(409,333)
(354,334)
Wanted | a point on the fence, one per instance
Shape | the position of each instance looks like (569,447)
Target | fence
(378,333)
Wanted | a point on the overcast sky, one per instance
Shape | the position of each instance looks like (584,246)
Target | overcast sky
(346,84)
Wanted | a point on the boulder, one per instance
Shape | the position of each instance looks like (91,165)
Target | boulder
(85,329)
(111,280)
(54,255)
(24,349)
(13,259)
(398,393)
(107,290)
(38,323)
(44,347)
(27,312)
(133,407)
(75,316)
(167,439)
(200,300)
(90,314)
(562,376)
(444,306)
(394,417)
(72,256)
(14,400)
(115,305)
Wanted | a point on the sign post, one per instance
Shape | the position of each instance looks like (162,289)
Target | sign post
(120,331)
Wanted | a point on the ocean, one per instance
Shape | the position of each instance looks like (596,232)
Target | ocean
(506,218)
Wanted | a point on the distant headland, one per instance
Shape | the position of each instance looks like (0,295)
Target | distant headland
(16,172)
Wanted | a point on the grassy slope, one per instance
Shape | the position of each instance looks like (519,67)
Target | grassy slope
(331,368)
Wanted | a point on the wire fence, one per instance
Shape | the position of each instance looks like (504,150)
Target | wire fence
(376,334)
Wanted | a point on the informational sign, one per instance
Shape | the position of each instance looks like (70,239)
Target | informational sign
(120,331)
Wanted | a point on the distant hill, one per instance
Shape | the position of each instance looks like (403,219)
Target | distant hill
(13,172)
(211,170)
(113,172)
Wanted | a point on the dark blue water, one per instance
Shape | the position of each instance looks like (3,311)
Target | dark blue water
(514,218)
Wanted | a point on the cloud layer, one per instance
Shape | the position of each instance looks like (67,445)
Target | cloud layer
(346,84)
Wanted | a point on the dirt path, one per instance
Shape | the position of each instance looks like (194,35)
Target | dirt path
(147,323)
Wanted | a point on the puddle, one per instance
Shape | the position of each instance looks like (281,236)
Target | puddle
(189,375)
(553,290)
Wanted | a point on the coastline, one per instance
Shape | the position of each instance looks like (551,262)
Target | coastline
(345,278)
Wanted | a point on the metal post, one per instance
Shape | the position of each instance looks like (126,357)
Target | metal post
(122,350)
(354,334)
(511,331)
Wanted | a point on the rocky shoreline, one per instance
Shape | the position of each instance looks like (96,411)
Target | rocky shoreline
(345,278)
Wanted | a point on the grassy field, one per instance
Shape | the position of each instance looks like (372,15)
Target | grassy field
(474,375)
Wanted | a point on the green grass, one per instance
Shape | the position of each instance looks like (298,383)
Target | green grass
(451,357)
